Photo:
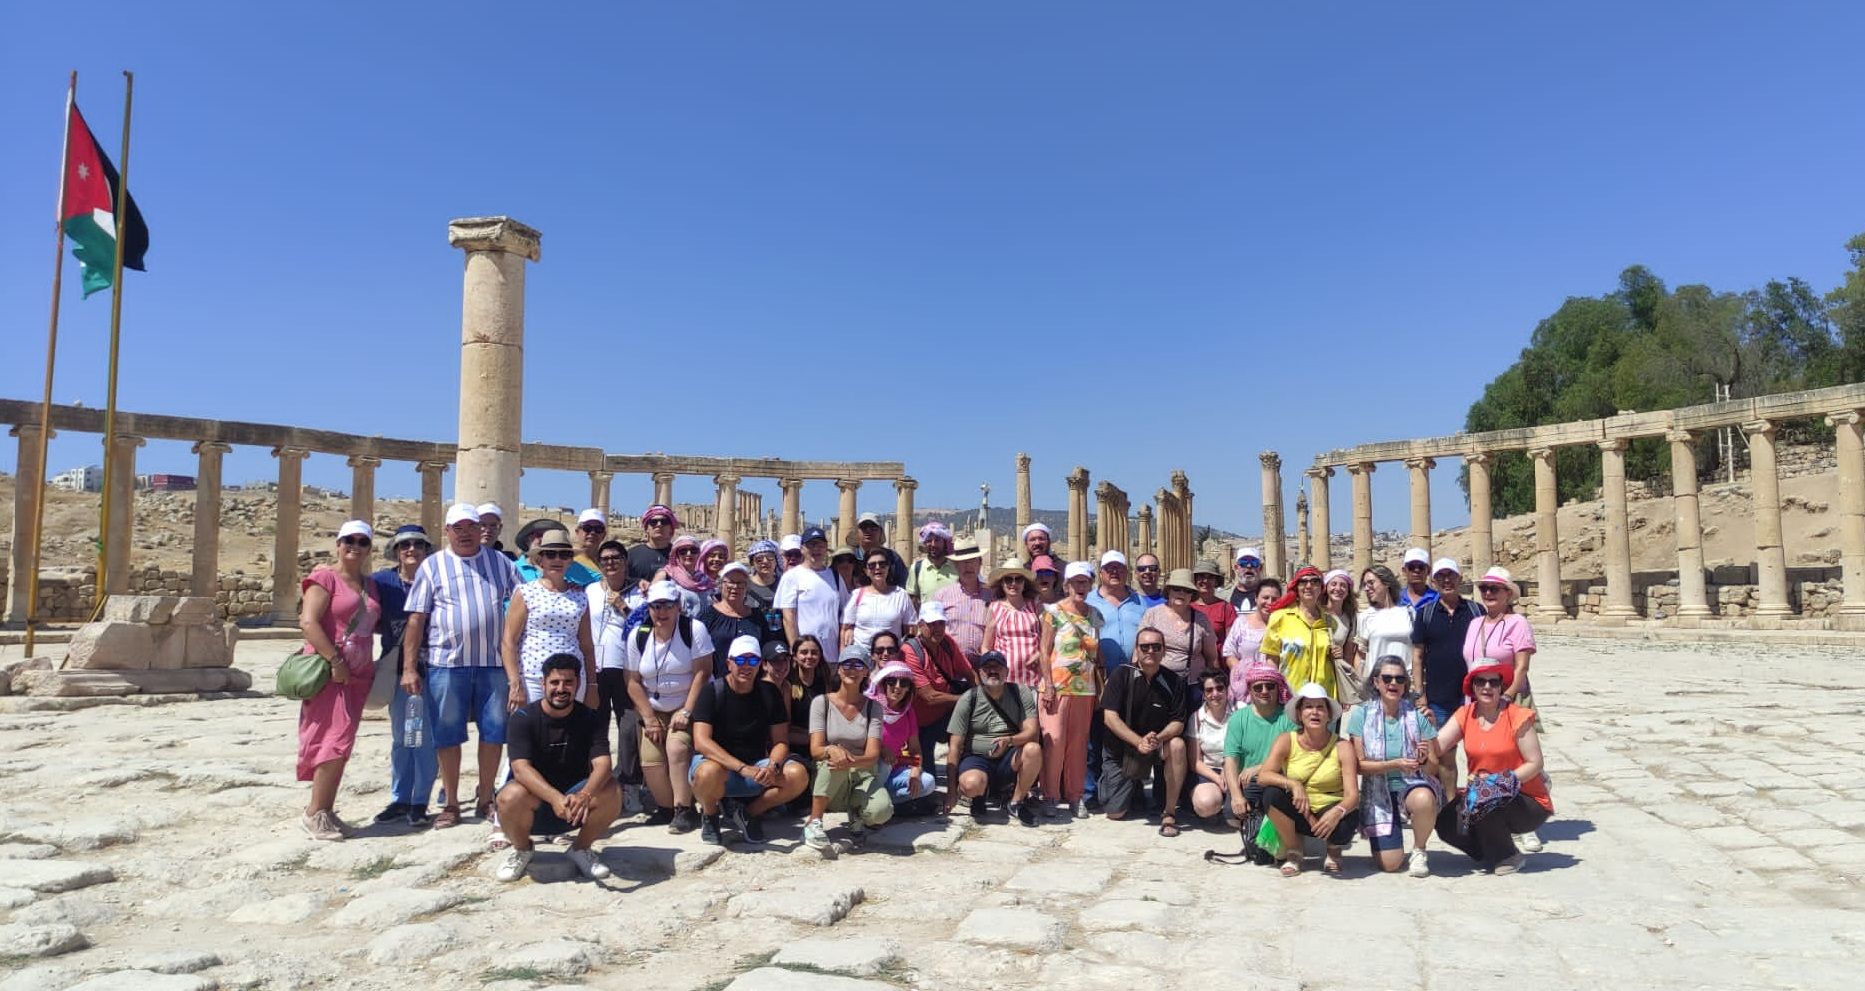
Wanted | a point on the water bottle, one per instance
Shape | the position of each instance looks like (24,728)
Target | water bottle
(414,723)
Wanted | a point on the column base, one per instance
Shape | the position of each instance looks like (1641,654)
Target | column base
(1696,612)
(1608,619)
(1852,621)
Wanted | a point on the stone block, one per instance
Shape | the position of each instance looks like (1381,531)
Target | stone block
(112,645)
(14,667)
(209,646)
(814,903)
(189,679)
(48,876)
(383,909)
(169,647)
(153,610)
(857,957)
(20,940)
(194,610)
(1017,928)
(1123,913)
(411,945)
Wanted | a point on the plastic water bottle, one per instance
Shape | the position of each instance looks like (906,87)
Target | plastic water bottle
(414,723)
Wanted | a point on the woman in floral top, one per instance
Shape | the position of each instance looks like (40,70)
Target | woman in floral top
(1071,646)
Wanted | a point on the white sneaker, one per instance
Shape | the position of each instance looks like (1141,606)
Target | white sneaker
(1416,864)
(1508,866)
(814,836)
(516,861)
(589,864)
(1529,841)
(322,825)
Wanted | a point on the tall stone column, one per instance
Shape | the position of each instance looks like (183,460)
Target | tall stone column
(1692,597)
(726,526)
(1181,487)
(601,489)
(433,512)
(1304,540)
(849,512)
(1023,492)
(1145,521)
(205,578)
(1548,606)
(793,503)
(285,536)
(1420,473)
(1106,510)
(1275,559)
(1362,475)
(1078,514)
(663,488)
(1849,444)
(904,543)
(122,496)
(1770,555)
(1319,511)
(1618,607)
(1482,526)
(492,356)
(28,489)
(363,488)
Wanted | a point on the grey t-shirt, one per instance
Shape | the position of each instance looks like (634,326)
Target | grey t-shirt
(841,731)
(974,716)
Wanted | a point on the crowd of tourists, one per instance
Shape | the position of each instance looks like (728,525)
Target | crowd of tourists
(809,680)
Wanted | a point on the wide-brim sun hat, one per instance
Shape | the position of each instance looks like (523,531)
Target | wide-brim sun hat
(1310,691)
(1014,566)
(1499,576)
(1488,665)
(1181,578)
(965,552)
(1206,566)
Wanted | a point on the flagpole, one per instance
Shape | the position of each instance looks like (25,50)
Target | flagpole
(116,326)
(51,352)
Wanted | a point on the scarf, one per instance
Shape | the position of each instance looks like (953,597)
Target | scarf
(692,581)
(1382,814)
(893,669)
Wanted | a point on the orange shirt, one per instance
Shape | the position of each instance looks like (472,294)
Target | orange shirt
(1494,750)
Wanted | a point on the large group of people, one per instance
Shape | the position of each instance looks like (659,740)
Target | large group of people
(806,681)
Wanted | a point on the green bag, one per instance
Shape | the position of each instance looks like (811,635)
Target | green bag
(306,672)
(1268,840)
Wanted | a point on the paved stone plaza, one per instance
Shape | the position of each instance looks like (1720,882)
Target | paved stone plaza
(1710,833)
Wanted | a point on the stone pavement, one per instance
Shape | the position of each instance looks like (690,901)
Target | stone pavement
(1710,833)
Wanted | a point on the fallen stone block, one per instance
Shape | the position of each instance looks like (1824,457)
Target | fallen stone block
(813,903)
(21,940)
(13,668)
(1016,928)
(50,876)
(194,610)
(111,645)
(189,679)
(856,957)
(151,610)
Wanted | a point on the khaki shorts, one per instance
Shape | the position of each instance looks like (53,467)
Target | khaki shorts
(651,753)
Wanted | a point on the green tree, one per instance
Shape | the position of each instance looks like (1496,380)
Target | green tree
(1845,307)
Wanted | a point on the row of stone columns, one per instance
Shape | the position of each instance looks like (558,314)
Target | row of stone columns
(1110,518)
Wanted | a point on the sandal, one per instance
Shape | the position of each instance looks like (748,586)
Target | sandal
(448,818)
(1168,825)
(1331,863)
(482,810)
(1292,866)
(497,841)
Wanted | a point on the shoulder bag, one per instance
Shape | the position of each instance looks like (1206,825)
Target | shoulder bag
(306,672)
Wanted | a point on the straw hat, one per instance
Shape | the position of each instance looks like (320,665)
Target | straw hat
(1012,566)
(1181,578)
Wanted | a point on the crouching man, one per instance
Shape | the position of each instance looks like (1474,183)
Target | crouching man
(562,777)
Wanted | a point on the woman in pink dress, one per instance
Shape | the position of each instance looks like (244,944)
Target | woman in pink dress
(334,628)
(1014,625)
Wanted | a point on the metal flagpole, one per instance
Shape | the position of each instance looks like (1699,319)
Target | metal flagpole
(116,326)
(51,353)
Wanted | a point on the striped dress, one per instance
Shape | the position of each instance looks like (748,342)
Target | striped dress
(1019,635)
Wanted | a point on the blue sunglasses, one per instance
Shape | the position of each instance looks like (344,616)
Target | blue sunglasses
(746,660)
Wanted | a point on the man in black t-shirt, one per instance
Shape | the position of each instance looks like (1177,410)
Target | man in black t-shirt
(740,748)
(1143,709)
(560,761)
(645,560)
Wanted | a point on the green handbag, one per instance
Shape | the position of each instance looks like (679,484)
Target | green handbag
(306,672)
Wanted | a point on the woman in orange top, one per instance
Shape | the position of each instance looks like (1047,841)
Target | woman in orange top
(1507,793)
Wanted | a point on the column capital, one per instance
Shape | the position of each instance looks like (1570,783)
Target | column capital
(1613,444)
(1679,436)
(363,461)
(662,477)
(129,440)
(494,234)
(1105,490)
(1023,461)
(1320,472)
(1541,453)
(211,447)
(288,453)
(727,481)
(600,475)
(26,428)
(1754,427)
(1417,464)
(790,484)
(848,484)
(436,467)
(1845,417)
(906,483)
(1078,479)
(1145,513)
(1362,468)
(1270,460)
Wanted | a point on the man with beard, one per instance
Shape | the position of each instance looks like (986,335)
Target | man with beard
(561,776)
(1249,570)
(995,742)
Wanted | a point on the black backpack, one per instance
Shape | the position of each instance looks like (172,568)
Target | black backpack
(685,627)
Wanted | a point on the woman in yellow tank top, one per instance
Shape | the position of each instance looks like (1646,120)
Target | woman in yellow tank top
(1311,784)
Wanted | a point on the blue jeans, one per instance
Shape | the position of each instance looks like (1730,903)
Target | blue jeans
(897,784)
(736,785)
(411,769)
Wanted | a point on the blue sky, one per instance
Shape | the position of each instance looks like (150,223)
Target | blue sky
(1135,237)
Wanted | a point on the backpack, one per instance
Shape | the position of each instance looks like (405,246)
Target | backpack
(685,627)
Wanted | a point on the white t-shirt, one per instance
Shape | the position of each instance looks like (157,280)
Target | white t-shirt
(1386,631)
(605,628)
(667,669)
(818,605)
(1211,738)
(869,613)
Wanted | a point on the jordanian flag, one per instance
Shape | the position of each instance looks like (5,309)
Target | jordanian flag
(90,209)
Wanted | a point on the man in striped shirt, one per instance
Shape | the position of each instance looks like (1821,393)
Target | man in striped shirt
(456,613)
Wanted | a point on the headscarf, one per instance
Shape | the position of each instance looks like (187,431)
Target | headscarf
(1292,590)
(1267,672)
(935,529)
(893,669)
(693,581)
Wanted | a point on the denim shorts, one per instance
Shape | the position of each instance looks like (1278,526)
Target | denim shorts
(736,785)
(463,695)
(1395,840)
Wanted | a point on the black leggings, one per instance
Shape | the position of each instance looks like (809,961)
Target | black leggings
(1278,798)
(613,683)
(1491,839)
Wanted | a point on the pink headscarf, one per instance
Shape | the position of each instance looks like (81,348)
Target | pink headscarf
(1243,676)
(693,581)
(899,726)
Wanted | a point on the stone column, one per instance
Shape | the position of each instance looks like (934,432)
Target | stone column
(1548,606)
(1482,528)
(205,579)
(285,537)
(849,511)
(122,512)
(1274,550)
(1078,514)
(1168,528)
(726,512)
(1770,556)
(663,488)
(1362,475)
(1849,444)
(1145,521)
(1692,597)
(363,488)
(1023,494)
(433,513)
(492,356)
(1618,548)
(1304,541)
(28,489)
(601,487)
(1106,510)
(1188,537)
(904,543)
(1323,549)
(793,503)
(1420,469)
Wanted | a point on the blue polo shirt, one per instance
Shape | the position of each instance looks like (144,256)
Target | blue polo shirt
(1441,632)
(1405,597)
(1120,626)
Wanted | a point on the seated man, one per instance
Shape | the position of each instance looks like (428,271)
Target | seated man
(1143,710)
(560,760)
(741,749)
(994,745)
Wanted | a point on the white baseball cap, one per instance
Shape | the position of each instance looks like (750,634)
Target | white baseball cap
(743,646)
(1444,564)
(1416,555)
(932,612)
(591,516)
(791,542)
(1113,557)
(731,566)
(490,509)
(1251,552)
(663,592)
(354,527)
(462,512)
(1077,569)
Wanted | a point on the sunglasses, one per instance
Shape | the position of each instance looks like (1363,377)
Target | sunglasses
(746,660)
(1150,648)
(1395,679)
(1147,569)
(684,551)
(1487,682)
(1262,688)
(1309,581)
(1249,562)
(793,555)
(592,528)
(877,565)
(1489,589)
(851,666)
(893,683)
(610,559)
(1415,567)
(356,542)
(414,545)
(883,651)
(1012,579)
(555,555)
(662,605)
(1204,579)
(657,521)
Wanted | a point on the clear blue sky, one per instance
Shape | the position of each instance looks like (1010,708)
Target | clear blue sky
(1135,237)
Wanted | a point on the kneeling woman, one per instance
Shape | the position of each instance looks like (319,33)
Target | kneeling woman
(845,740)
(900,767)
(1311,784)
(1507,793)
(1398,757)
